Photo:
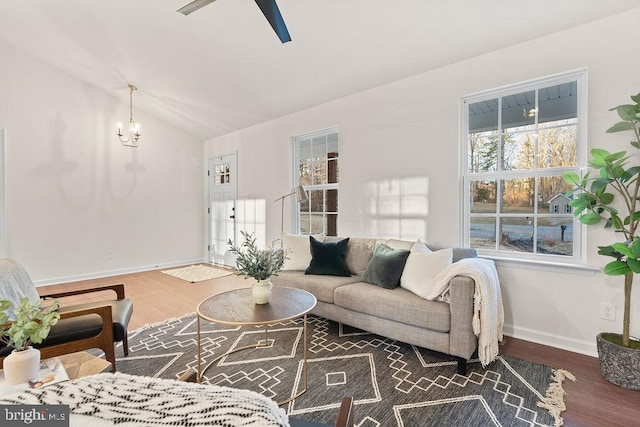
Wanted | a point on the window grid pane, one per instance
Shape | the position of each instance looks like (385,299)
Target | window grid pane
(318,172)
(515,200)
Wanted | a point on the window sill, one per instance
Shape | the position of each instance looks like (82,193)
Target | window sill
(559,267)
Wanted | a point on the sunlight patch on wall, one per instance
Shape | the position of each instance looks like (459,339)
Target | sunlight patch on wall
(397,208)
(251,217)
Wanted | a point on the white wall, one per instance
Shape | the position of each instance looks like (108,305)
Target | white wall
(404,138)
(75,193)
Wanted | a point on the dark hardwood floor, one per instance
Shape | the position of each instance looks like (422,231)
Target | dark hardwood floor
(590,401)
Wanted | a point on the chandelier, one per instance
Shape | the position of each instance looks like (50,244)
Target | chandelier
(134,128)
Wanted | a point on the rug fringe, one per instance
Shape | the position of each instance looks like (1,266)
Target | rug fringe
(554,399)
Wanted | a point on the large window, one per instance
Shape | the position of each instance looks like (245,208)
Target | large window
(316,168)
(517,143)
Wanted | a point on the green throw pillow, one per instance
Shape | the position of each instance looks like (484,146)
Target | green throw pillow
(385,267)
(328,259)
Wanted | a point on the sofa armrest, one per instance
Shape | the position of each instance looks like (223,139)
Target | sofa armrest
(117,288)
(462,340)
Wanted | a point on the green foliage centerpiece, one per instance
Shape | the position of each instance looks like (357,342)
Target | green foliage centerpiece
(611,197)
(31,325)
(260,264)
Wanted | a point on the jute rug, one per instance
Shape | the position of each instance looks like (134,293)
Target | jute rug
(393,384)
(198,273)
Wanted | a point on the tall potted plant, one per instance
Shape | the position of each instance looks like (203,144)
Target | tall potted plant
(260,264)
(611,197)
(31,325)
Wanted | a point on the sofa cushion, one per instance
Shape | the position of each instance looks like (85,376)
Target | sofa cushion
(322,287)
(328,258)
(298,250)
(385,267)
(421,268)
(399,244)
(396,304)
(359,254)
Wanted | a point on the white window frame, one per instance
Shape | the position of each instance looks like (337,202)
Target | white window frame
(296,175)
(578,255)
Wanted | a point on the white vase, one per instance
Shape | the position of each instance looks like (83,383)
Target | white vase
(261,291)
(21,366)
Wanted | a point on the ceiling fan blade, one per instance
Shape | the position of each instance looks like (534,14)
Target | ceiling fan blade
(193,6)
(270,10)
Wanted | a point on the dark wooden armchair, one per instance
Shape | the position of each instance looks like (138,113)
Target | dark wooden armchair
(82,326)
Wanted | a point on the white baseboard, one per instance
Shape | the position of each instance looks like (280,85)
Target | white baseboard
(97,275)
(558,341)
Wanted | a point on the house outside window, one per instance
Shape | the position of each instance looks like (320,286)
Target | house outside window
(316,168)
(517,142)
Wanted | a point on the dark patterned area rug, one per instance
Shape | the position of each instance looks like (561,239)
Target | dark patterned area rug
(393,384)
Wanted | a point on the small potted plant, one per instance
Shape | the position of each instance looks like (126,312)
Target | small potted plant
(31,325)
(260,264)
(612,197)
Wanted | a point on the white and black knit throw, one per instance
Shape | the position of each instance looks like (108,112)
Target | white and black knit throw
(130,400)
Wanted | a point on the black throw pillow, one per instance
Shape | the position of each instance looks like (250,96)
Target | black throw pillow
(328,259)
(385,267)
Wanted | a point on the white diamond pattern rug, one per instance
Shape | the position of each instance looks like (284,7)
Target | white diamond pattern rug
(393,384)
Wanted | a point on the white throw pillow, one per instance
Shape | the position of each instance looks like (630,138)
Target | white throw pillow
(299,250)
(420,246)
(421,268)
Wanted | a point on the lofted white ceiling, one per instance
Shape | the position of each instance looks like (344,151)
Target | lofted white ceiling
(222,68)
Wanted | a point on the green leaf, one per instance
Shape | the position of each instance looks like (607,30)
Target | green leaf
(616,222)
(571,178)
(599,184)
(616,268)
(615,156)
(634,265)
(630,173)
(620,126)
(599,156)
(590,218)
(636,98)
(617,171)
(623,249)
(609,251)
(606,198)
(627,111)
(635,247)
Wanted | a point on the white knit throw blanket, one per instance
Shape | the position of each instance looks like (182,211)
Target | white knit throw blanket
(488,313)
(136,401)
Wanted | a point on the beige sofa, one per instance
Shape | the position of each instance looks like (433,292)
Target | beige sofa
(395,313)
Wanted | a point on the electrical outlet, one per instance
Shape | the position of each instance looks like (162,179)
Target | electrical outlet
(109,254)
(607,311)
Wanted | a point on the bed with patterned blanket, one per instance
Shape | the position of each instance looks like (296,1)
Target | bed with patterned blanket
(128,400)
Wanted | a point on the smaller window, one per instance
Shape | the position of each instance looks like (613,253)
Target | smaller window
(316,160)
(222,174)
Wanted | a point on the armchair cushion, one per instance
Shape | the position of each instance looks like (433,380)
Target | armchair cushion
(121,311)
